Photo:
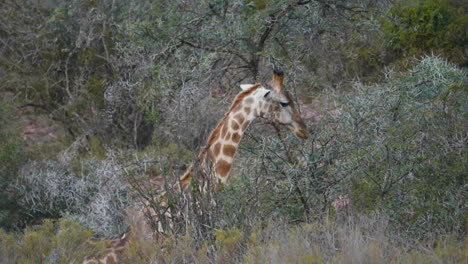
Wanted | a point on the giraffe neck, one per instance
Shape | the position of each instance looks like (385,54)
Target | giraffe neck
(218,154)
(223,149)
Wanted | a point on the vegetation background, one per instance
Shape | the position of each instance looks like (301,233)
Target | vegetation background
(101,99)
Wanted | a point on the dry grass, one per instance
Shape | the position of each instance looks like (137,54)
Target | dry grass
(357,239)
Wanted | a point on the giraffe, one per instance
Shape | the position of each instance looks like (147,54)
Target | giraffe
(254,101)
(275,105)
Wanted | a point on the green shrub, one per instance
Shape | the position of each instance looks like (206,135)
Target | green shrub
(228,244)
(36,243)
(8,247)
(93,196)
(12,157)
(72,242)
(61,242)
(416,27)
(363,239)
(406,147)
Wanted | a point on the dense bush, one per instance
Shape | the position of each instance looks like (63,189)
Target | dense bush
(358,240)
(105,68)
(364,239)
(12,157)
(95,195)
(139,86)
(405,147)
(416,27)
(61,242)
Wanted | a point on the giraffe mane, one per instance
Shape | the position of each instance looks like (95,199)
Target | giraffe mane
(214,134)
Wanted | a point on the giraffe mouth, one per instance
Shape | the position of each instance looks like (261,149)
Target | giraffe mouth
(302,134)
(299,130)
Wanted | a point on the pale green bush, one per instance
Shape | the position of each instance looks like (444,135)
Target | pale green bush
(60,242)
(95,196)
(13,155)
(404,143)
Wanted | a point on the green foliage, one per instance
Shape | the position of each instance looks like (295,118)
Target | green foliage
(37,243)
(96,88)
(94,195)
(116,73)
(171,249)
(66,68)
(451,250)
(416,27)
(228,243)
(407,152)
(8,247)
(12,157)
(139,251)
(249,199)
(61,242)
(359,239)
(153,116)
(72,242)
(97,149)
(367,198)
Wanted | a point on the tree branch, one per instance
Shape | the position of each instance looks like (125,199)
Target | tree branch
(223,50)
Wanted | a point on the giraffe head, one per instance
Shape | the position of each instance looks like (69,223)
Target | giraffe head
(277,105)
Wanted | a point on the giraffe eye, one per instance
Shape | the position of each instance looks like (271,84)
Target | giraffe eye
(284,104)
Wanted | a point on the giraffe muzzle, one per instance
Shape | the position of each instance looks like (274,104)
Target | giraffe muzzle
(302,134)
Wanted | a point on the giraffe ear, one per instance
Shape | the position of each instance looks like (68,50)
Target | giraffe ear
(246,86)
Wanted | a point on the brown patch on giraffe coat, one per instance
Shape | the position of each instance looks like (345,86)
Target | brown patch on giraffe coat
(234,125)
(249,100)
(185,179)
(229,150)
(211,154)
(236,137)
(217,149)
(222,168)
(240,118)
(237,102)
(247,110)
